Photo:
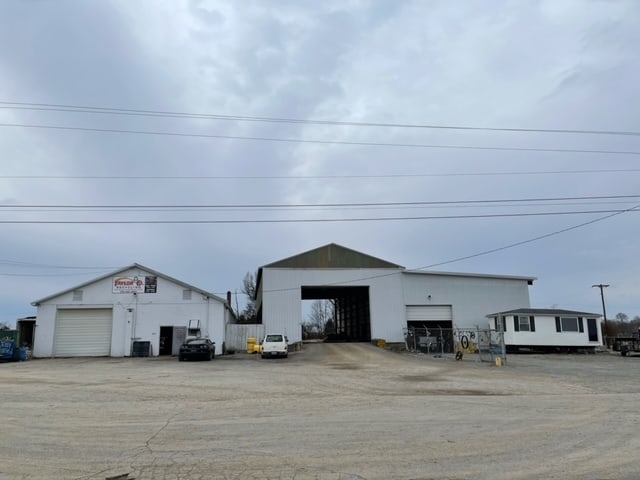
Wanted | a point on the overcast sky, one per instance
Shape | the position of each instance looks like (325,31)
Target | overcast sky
(533,65)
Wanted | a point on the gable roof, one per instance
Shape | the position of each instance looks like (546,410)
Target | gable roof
(130,267)
(551,312)
(332,256)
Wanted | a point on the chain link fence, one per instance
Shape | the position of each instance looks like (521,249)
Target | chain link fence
(456,343)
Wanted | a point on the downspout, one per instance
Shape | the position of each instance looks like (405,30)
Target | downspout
(134,321)
(208,315)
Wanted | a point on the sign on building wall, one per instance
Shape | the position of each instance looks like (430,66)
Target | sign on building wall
(137,284)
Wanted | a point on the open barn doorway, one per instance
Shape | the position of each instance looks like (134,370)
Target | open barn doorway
(349,311)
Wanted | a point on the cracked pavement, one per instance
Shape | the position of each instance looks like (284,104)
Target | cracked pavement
(330,412)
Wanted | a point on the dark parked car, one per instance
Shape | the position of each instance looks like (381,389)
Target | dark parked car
(197,348)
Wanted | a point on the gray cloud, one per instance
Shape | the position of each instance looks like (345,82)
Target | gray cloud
(530,64)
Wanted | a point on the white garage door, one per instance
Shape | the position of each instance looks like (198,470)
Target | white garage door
(427,313)
(83,333)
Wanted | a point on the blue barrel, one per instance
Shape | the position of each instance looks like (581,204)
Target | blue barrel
(23,354)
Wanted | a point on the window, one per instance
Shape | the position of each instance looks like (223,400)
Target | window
(77,295)
(524,323)
(569,324)
(186,294)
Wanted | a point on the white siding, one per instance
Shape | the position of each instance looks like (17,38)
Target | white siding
(281,298)
(135,317)
(546,334)
(471,297)
(468,298)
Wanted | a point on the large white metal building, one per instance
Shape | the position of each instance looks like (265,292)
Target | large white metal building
(133,306)
(376,299)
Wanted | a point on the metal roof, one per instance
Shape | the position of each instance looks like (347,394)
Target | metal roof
(552,312)
(529,280)
(130,267)
(332,256)
(339,257)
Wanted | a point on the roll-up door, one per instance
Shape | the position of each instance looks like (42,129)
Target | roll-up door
(83,333)
(429,313)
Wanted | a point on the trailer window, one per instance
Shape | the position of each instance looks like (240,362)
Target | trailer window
(569,324)
(524,324)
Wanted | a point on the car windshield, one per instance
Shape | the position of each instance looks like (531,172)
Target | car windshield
(274,338)
(197,342)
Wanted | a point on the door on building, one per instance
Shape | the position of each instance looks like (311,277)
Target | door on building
(170,340)
(179,336)
(25,332)
(166,341)
(432,317)
(592,329)
(83,333)
(431,327)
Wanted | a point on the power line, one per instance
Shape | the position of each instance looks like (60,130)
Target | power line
(248,118)
(301,220)
(43,275)
(485,252)
(482,253)
(534,239)
(317,209)
(312,177)
(325,205)
(320,142)
(14,263)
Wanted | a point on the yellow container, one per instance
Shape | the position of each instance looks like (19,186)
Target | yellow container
(382,343)
(252,344)
(498,361)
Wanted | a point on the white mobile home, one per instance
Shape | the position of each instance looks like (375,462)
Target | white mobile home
(130,308)
(548,329)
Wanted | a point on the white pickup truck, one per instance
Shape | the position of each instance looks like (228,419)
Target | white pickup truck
(275,345)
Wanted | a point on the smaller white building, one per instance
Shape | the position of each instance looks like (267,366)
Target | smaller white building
(548,329)
(134,307)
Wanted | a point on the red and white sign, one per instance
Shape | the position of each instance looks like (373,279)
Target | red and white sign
(128,285)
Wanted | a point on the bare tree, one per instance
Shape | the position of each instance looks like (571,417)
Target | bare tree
(321,313)
(623,326)
(249,313)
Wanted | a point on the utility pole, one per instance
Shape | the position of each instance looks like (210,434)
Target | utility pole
(604,309)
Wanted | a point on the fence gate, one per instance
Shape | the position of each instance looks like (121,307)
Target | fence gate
(236,335)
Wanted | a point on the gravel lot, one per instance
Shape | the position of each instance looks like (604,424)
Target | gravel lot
(331,411)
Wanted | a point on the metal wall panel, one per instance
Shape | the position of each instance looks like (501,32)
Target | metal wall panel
(471,297)
(282,297)
(236,335)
